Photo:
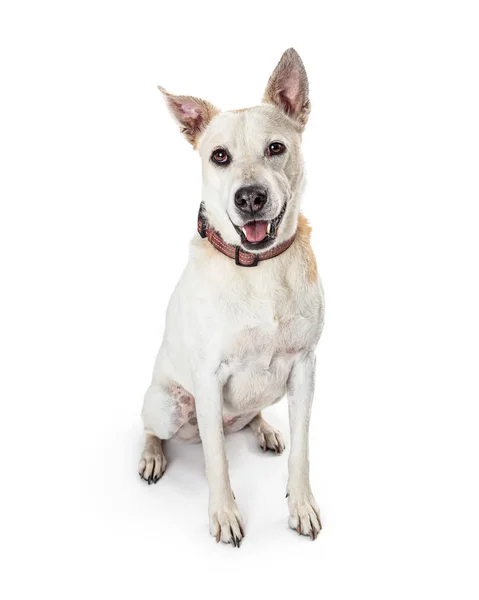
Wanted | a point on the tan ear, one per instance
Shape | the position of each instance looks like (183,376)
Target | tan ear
(192,114)
(288,87)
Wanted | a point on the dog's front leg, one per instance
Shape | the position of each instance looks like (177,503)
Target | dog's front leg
(304,512)
(225,519)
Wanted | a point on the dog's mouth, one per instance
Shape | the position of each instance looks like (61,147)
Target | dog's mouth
(256,235)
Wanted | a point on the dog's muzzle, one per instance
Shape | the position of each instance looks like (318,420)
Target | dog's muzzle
(257,234)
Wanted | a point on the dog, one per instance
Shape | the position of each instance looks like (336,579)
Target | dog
(243,323)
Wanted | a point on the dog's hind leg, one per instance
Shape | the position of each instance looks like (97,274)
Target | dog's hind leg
(152,463)
(268,437)
(166,408)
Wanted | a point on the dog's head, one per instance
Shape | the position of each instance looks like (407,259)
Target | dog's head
(252,163)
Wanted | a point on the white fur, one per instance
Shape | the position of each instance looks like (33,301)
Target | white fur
(238,339)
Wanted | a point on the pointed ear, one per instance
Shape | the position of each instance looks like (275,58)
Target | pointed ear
(192,114)
(288,87)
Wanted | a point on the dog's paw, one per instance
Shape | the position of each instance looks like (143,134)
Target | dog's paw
(270,438)
(152,465)
(304,514)
(226,524)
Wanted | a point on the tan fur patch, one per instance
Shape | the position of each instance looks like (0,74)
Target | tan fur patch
(210,112)
(303,237)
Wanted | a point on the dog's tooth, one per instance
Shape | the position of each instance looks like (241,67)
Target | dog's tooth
(243,229)
(268,229)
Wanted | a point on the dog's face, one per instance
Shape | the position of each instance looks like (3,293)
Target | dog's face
(252,163)
(252,169)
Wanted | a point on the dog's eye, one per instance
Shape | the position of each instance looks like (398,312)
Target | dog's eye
(276,148)
(220,157)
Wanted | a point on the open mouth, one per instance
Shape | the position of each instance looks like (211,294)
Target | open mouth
(259,234)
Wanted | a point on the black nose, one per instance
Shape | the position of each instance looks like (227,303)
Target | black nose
(250,199)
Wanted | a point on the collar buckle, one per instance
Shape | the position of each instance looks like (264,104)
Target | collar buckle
(240,264)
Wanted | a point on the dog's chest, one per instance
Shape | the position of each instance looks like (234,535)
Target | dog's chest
(257,366)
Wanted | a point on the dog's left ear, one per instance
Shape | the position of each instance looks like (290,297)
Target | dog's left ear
(192,114)
(288,87)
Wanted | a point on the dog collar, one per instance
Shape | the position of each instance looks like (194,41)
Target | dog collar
(241,257)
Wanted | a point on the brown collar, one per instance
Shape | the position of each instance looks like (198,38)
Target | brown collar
(242,258)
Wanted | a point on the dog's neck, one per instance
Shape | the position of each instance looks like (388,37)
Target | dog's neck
(241,257)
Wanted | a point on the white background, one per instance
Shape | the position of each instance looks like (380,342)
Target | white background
(99,194)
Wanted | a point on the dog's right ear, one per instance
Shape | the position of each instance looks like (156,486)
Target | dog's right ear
(192,114)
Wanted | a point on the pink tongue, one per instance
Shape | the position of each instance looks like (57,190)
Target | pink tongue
(255,231)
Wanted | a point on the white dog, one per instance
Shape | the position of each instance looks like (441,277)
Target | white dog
(245,318)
